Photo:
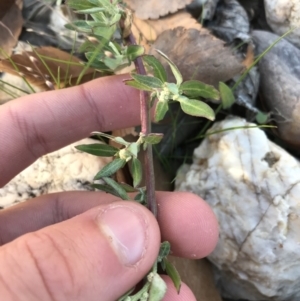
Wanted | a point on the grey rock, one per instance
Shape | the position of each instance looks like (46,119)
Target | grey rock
(280,84)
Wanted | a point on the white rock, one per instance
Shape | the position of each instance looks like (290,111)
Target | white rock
(282,15)
(63,170)
(253,187)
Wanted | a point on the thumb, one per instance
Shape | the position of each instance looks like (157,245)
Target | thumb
(98,255)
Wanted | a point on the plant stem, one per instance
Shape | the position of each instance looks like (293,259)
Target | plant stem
(146,129)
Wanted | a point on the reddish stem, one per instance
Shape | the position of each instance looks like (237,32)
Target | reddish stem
(146,129)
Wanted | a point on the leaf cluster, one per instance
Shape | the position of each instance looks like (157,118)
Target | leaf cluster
(102,26)
(188,93)
(128,153)
(166,92)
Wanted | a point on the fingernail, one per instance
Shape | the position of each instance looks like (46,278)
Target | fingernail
(126,229)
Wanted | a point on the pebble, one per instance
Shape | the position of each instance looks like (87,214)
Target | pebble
(253,186)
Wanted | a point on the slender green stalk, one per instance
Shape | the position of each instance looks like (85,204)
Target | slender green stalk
(17,70)
(15,87)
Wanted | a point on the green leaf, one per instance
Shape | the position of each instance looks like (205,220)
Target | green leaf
(128,188)
(161,109)
(136,171)
(158,69)
(262,118)
(141,197)
(120,140)
(80,4)
(164,250)
(226,96)
(194,88)
(110,168)
(79,25)
(92,10)
(197,108)
(102,150)
(134,51)
(149,81)
(172,88)
(121,192)
(96,23)
(137,85)
(115,18)
(105,32)
(173,274)
(103,3)
(153,138)
(134,149)
(174,68)
(116,63)
(105,188)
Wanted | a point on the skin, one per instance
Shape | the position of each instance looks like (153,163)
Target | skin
(66,246)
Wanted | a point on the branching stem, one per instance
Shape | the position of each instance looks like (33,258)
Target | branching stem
(146,129)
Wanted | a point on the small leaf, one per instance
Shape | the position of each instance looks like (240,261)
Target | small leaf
(137,85)
(92,10)
(134,51)
(164,250)
(102,150)
(120,140)
(194,88)
(134,148)
(128,188)
(174,68)
(161,109)
(110,168)
(105,32)
(96,23)
(136,171)
(105,188)
(80,4)
(173,88)
(197,108)
(141,197)
(116,63)
(150,81)
(262,118)
(158,69)
(153,138)
(120,191)
(226,95)
(173,274)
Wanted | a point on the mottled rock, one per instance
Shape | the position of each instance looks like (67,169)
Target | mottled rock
(253,187)
(280,84)
(282,15)
(63,170)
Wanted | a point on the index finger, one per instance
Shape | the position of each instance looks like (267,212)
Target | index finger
(34,125)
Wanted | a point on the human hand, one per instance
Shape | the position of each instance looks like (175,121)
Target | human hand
(85,245)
